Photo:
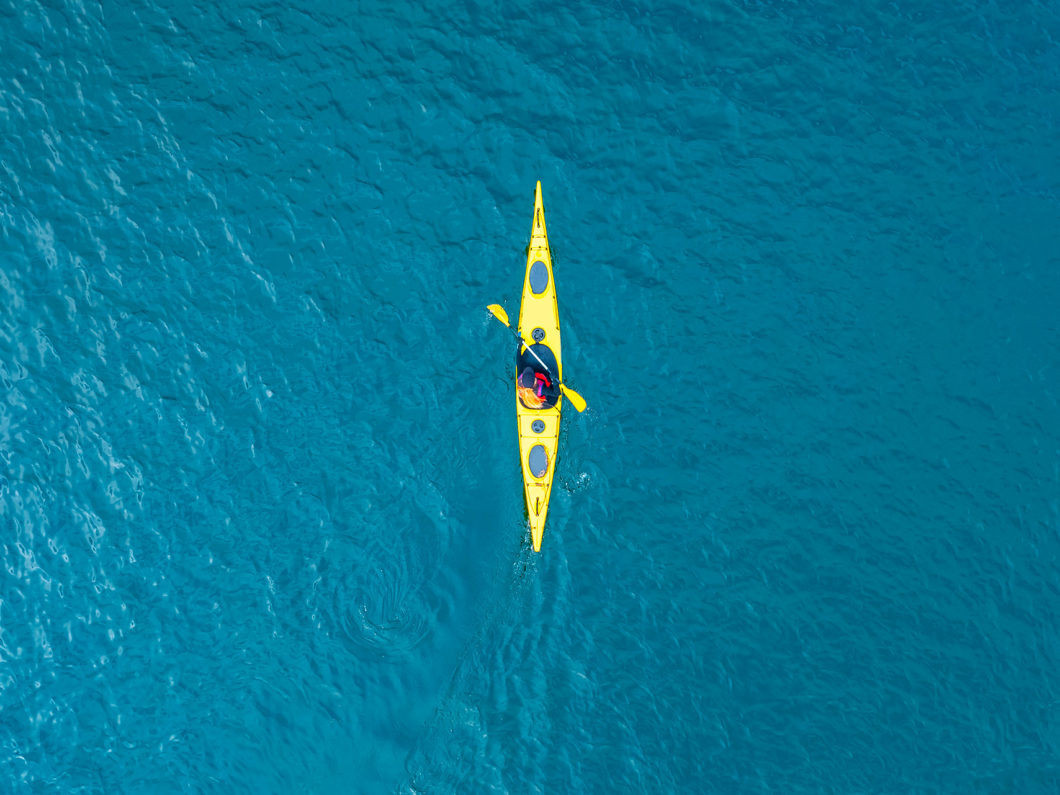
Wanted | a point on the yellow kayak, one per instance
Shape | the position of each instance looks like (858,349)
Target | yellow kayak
(539,325)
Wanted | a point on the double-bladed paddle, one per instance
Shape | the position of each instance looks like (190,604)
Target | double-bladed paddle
(575,399)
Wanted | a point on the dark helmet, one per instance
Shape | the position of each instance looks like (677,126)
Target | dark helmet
(526,377)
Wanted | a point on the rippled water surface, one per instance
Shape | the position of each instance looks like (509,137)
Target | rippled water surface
(260,505)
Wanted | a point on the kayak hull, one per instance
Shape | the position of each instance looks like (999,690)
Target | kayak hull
(539,324)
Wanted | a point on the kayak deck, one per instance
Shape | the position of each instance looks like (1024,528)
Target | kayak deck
(539,324)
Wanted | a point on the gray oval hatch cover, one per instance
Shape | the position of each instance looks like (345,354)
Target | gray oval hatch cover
(538,461)
(538,277)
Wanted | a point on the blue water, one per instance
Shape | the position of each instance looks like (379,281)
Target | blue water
(260,504)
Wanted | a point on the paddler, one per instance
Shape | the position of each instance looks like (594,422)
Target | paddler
(534,389)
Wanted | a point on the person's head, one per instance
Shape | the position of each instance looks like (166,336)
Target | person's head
(526,377)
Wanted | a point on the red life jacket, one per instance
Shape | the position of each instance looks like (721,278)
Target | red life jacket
(541,382)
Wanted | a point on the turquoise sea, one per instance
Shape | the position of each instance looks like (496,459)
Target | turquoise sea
(261,519)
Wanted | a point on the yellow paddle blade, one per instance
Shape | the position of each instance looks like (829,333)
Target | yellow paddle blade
(498,312)
(575,399)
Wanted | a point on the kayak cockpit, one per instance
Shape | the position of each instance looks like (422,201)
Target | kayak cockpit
(526,358)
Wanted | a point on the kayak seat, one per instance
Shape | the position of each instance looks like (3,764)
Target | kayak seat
(538,277)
